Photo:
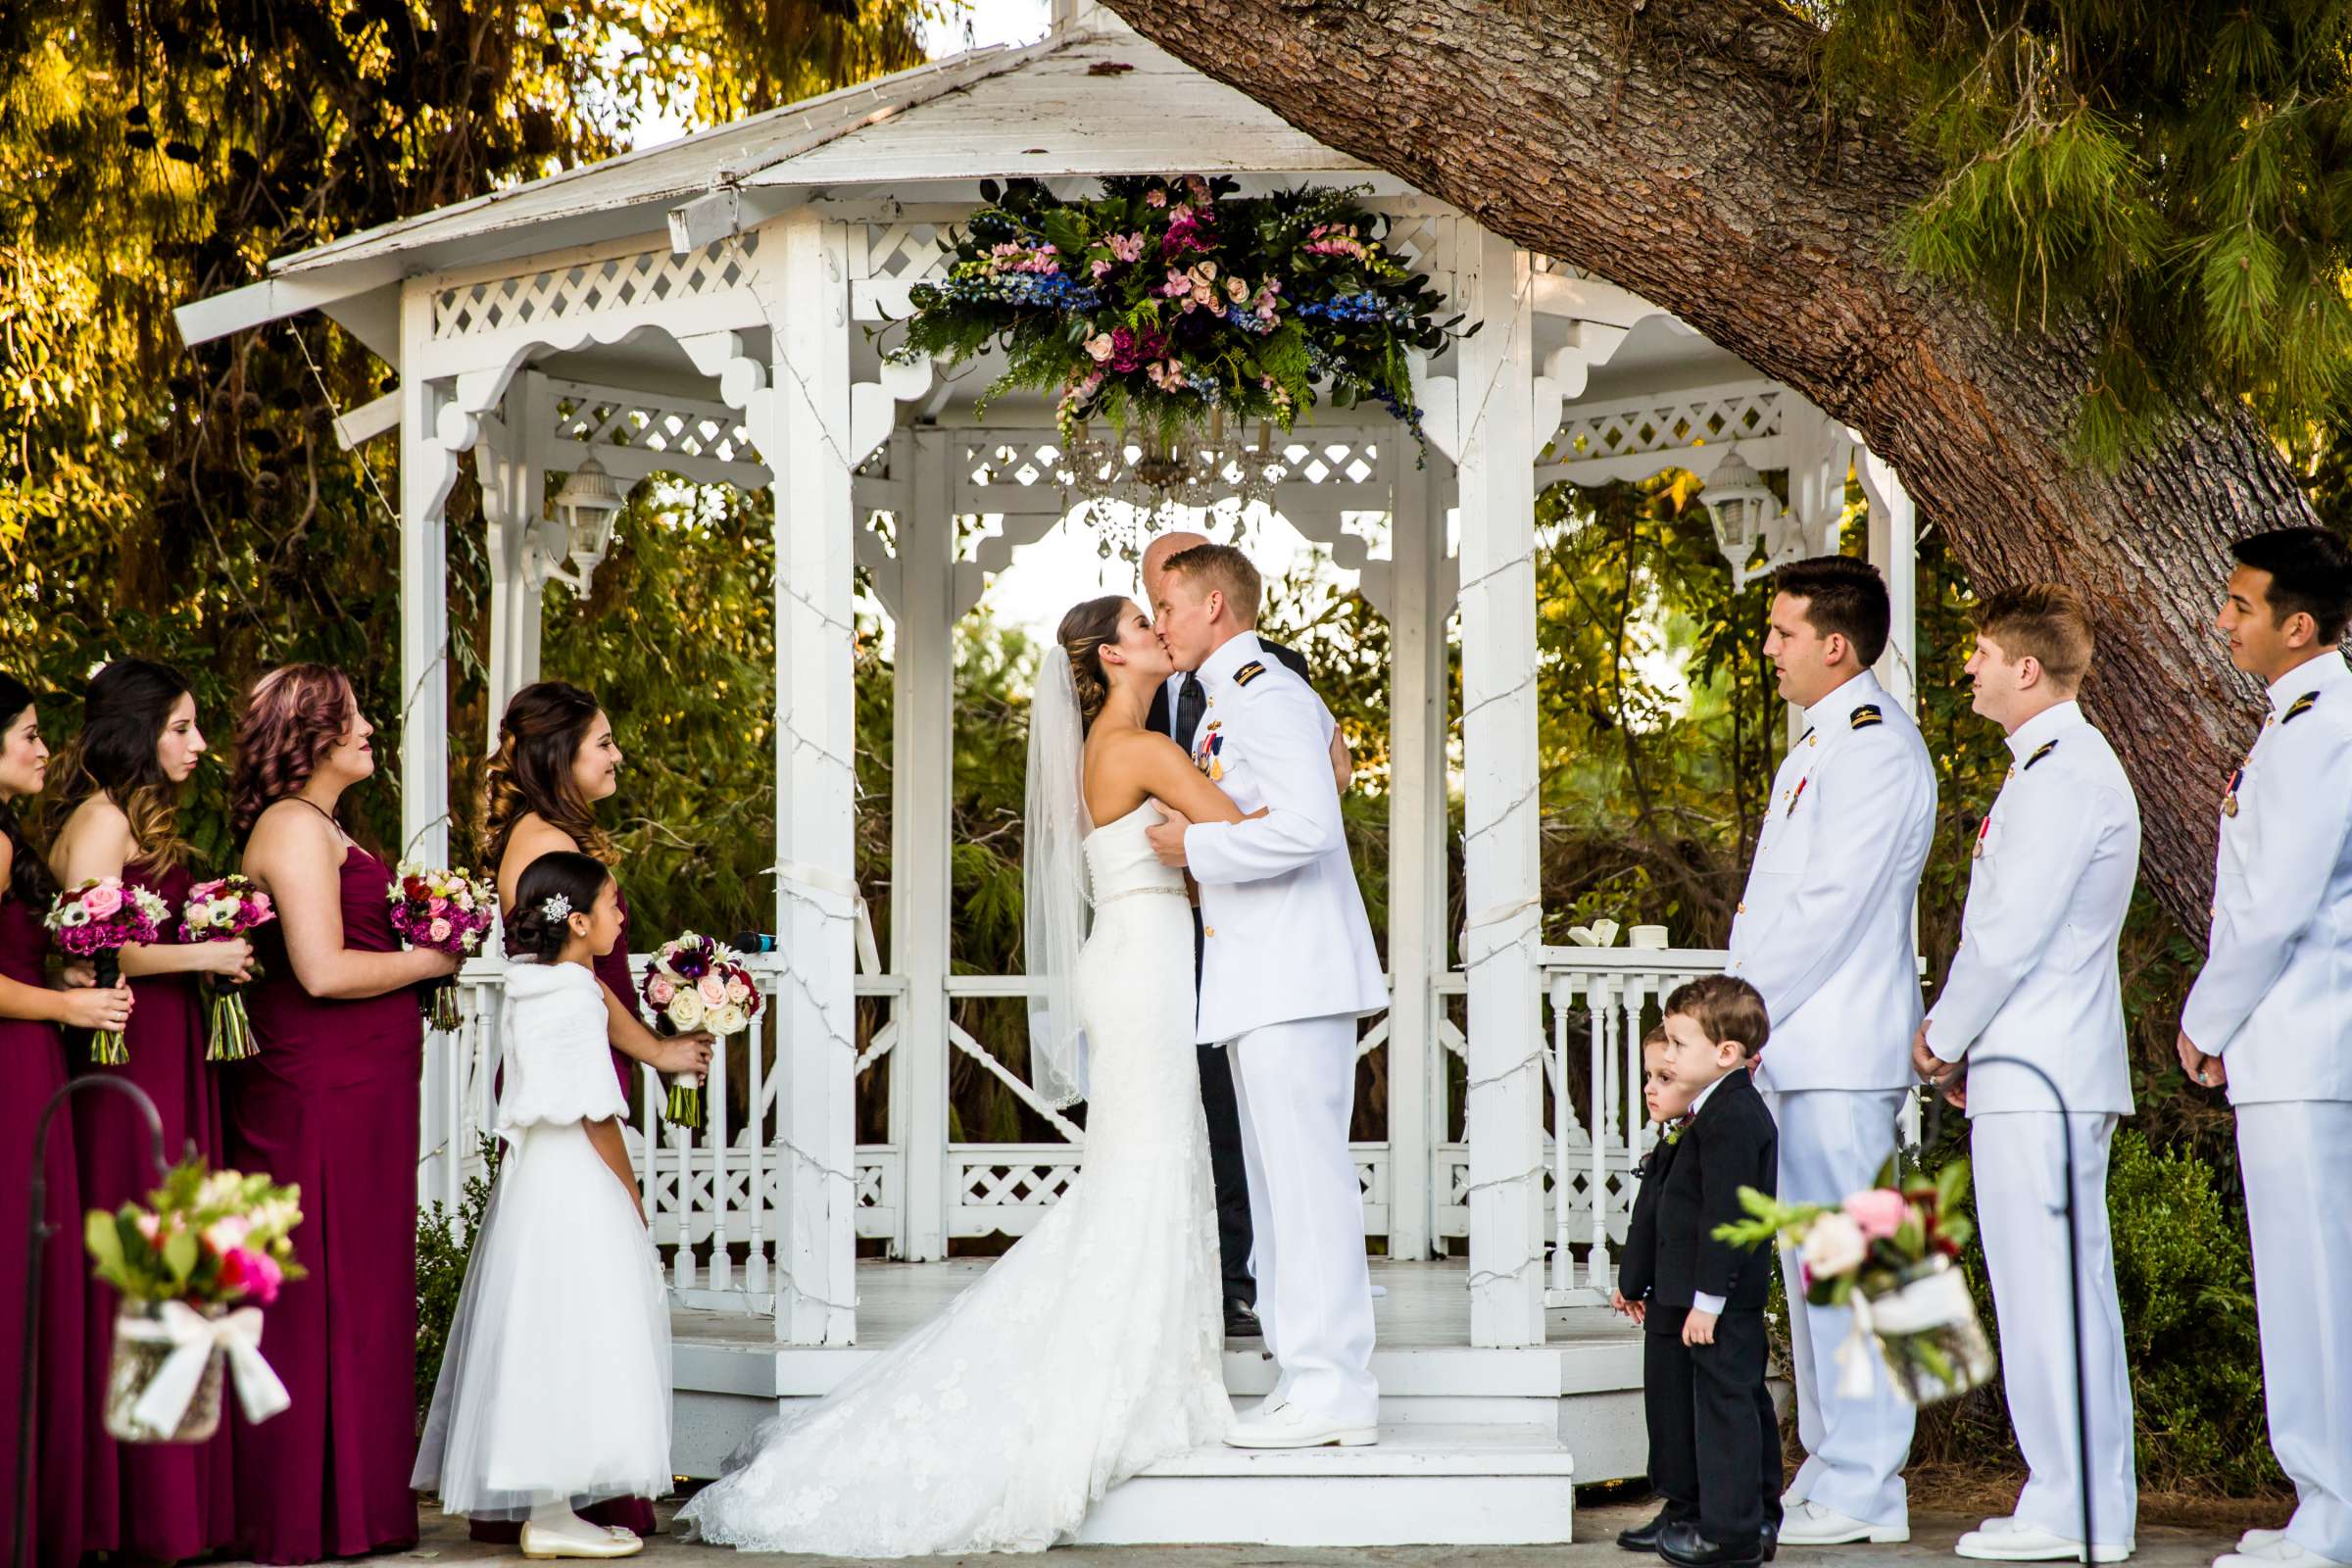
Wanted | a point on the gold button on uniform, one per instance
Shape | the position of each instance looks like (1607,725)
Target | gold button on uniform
(1208,930)
(1743,907)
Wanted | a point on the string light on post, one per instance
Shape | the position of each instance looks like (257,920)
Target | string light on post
(586,507)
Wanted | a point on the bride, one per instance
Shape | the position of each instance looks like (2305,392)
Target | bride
(1092,1349)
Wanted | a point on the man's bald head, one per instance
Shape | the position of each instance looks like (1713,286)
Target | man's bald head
(1156,558)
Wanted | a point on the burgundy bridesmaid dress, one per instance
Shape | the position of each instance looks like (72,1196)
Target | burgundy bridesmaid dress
(637,1513)
(32,1067)
(161,1500)
(330,1102)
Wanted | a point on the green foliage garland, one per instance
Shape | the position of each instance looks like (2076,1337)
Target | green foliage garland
(1166,300)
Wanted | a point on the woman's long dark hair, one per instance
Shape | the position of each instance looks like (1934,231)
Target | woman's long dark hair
(542,731)
(123,716)
(29,878)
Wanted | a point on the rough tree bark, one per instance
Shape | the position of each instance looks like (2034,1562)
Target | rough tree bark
(1676,148)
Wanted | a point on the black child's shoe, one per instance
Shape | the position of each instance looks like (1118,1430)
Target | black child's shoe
(1644,1537)
(1684,1544)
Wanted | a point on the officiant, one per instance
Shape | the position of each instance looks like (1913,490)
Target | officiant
(1176,711)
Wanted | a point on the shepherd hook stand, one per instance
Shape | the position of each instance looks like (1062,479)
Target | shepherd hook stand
(37,1232)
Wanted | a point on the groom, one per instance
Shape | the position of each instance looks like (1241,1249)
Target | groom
(1287,966)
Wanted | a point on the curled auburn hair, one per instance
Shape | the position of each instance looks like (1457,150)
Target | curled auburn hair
(542,731)
(293,717)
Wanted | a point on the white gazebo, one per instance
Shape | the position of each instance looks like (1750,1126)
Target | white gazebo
(699,310)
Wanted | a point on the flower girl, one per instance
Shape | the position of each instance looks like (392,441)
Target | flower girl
(563,1276)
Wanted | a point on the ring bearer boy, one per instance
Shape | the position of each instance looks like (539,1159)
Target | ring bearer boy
(2036,978)
(1825,934)
(1703,1334)
(2271,1017)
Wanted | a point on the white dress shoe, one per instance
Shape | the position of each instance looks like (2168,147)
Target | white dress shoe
(1809,1524)
(2257,1540)
(2011,1539)
(2279,1552)
(1287,1426)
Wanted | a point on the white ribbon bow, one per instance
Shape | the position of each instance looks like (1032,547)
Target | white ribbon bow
(1931,1302)
(193,1338)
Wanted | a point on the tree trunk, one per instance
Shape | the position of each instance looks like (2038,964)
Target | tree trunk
(1678,148)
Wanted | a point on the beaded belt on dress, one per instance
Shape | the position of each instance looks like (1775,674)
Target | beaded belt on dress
(1137,892)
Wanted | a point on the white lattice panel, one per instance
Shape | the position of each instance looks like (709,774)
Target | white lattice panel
(672,427)
(539,299)
(1665,424)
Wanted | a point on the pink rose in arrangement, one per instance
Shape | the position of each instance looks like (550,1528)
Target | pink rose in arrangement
(1099,347)
(1879,1212)
(658,992)
(711,988)
(738,992)
(254,1274)
(101,901)
(438,931)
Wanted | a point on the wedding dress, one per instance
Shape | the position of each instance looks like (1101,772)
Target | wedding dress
(1089,1351)
(564,1277)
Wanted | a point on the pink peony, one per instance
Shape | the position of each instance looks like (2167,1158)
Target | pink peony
(438,931)
(711,988)
(101,901)
(659,990)
(253,1273)
(1879,1212)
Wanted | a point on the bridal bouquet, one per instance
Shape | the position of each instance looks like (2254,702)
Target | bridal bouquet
(1890,1253)
(447,912)
(696,983)
(222,910)
(96,922)
(194,1266)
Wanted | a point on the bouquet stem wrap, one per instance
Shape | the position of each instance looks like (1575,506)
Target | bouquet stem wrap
(232,1030)
(684,1107)
(440,1004)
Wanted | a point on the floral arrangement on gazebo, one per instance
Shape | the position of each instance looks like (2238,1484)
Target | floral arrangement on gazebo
(1167,304)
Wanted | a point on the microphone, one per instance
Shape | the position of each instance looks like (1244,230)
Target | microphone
(753,941)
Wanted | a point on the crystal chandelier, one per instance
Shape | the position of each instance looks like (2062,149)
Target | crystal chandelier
(1127,492)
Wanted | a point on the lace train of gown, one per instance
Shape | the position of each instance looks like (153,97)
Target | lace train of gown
(1089,1351)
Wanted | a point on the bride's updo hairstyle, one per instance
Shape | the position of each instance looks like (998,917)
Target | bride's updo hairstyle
(1083,632)
(577,879)
(541,733)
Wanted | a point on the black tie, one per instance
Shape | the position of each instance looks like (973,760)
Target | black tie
(1192,706)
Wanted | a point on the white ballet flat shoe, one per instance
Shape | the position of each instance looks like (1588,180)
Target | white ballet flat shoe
(1809,1524)
(2011,1539)
(2279,1552)
(1290,1427)
(2256,1539)
(544,1544)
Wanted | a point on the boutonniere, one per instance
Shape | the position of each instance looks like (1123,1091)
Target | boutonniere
(1674,1129)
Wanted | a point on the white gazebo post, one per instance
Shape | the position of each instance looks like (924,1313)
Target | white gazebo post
(1493,409)
(510,459)
(1895,546)
(801,422)
(1420,598)
(923,832)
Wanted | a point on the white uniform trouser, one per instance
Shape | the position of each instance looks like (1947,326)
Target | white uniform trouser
(1832,1142)
(2018,1160)
(2296,1159)
(1296,1086)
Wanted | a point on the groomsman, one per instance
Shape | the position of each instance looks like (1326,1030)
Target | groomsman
(1176,711)
(2036,979)
(2271,1017)
(1824,932)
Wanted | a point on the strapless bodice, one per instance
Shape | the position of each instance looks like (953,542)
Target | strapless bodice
(1119,858)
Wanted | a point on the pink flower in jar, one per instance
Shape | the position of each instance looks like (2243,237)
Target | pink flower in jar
(150,1227)
(1879,1212)
(711,988)
(253,1273)
(101,901)
(228,1233)
(659,990)
(438,931)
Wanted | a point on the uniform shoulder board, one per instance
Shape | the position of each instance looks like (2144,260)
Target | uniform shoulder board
(1249,673)
(2300,705)
(2039,752)
(1866,715)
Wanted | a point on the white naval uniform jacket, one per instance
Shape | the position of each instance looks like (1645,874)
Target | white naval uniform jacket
(2036,973)
(1824,929)
(2275,998)
(1284,934)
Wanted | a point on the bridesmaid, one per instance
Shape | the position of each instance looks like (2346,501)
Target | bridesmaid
(32,1067)
(138,744)
(556,759)
(330,1102)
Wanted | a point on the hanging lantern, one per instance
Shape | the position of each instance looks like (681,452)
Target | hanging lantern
(588,506)
(1746,514)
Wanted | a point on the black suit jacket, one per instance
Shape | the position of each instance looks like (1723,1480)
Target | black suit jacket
(1160,721)
(1637,1270)
(1730,1144)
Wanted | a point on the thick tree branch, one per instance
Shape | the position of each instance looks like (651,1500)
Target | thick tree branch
(1678,148)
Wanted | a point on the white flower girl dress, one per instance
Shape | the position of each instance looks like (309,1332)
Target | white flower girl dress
(554,1386)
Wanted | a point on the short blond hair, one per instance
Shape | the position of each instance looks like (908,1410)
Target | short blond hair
(1221,569)
(2047,620)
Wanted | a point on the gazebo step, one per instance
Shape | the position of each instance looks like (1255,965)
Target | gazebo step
(1421,1485)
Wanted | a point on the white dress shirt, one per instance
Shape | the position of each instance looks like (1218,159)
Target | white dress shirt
(2034,976)
(2275,998)
(1824,928)
(1700,1301)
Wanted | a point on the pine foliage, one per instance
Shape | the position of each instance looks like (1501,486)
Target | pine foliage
(2177,174)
